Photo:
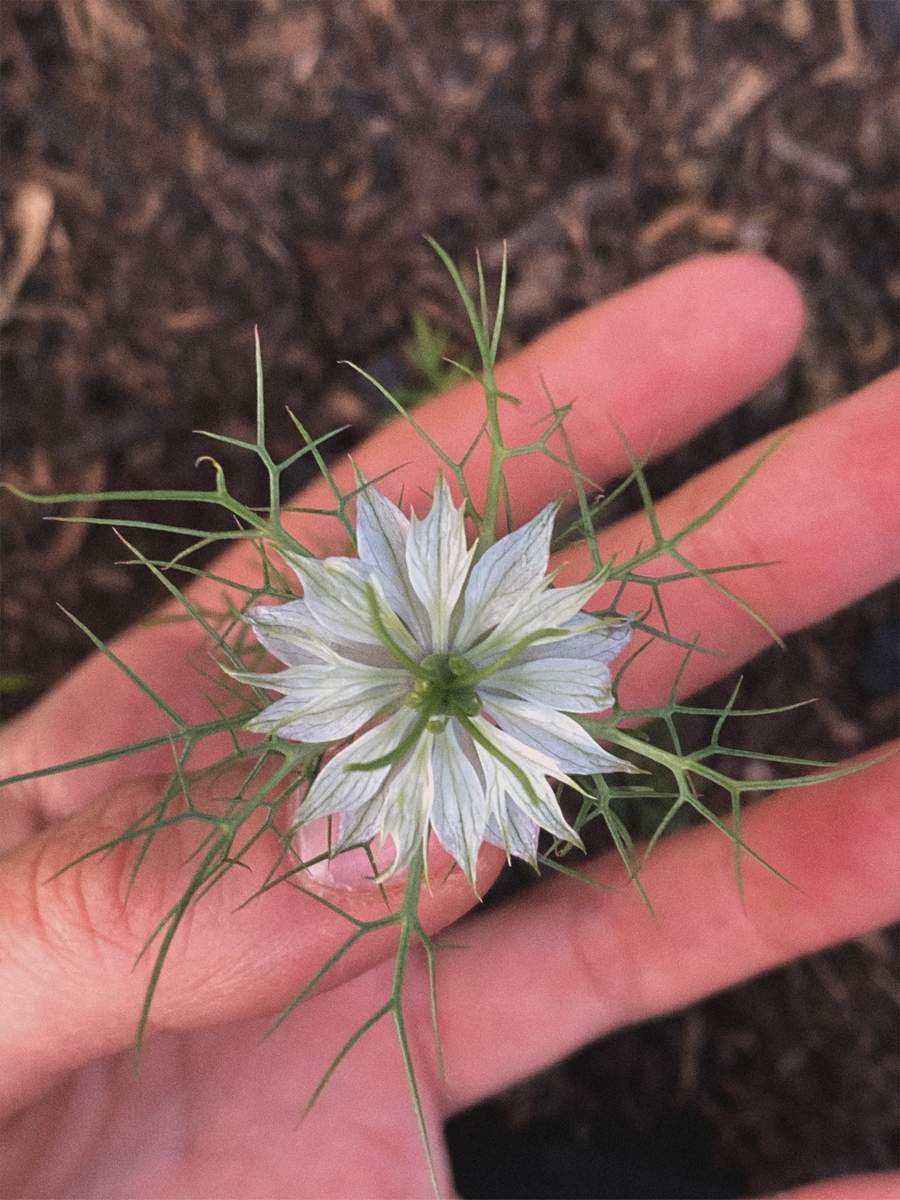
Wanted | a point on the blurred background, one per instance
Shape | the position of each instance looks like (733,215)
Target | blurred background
(176,170)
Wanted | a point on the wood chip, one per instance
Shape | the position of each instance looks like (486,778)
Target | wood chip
(668,221)
(748,90)
(32,212)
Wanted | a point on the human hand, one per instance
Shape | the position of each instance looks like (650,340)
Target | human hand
(214,1112)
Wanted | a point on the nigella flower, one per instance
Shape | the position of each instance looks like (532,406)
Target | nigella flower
(460,675)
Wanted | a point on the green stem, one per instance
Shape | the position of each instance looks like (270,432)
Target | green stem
(487,532)
(677,764)
(191,732)
(409,923)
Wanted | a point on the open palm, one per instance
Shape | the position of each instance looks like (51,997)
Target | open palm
(215,1110)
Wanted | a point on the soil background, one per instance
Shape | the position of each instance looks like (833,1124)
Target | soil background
(177,170)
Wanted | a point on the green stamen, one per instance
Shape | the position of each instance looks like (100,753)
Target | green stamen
(385,636)
(398,751)
(445,689)
(499,663)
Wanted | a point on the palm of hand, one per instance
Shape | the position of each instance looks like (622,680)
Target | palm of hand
(215,1112)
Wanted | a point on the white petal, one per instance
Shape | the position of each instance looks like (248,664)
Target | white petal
(506,826)
(351,661)
(559,683)
(326,700)
(460,810)
(337,592)
(514,564)
(528,758)
(523,782)
(340,717)
(437,561)
(593,639)
(514,833)
(535,611)
(517,838)
(289,632)
(337,789)
(328,678)
(519,799)
(360,826)
(293,615)
(286,630)
(382,531)
(408,798)
(555,734)
(538,803)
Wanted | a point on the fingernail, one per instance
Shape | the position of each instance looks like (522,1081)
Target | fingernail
(351,870)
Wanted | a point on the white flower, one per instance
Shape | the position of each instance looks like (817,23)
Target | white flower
(460,674)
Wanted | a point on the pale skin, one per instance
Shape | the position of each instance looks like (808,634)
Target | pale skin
(215,1110)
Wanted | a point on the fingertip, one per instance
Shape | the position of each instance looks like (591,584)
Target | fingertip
(768,287)
(665,358)
(750,309)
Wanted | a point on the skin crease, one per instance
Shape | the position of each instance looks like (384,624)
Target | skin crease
(215,1110)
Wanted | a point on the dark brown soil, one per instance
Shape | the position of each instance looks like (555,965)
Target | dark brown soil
(177,170)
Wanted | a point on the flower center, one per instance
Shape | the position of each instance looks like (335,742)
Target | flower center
(444,687)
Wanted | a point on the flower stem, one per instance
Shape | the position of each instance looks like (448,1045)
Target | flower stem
(409,924)
(487,533)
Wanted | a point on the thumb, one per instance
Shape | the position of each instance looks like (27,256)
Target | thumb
(69,939)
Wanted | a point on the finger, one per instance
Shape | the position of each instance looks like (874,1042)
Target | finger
(68,943)
(878,1185)
(662,359)
(817,507)
(578,962)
